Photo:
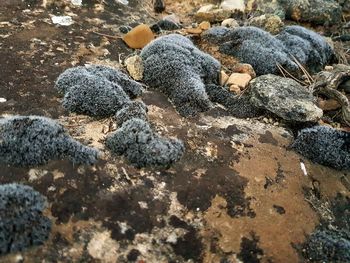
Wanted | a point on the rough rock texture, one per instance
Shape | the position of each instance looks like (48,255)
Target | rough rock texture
(142,147)
(263,7)
(324,145)
(173,65)
(270,23)
(22,223)
(262,50)
(33,140)
(96,90)
(314,11)
(284,97)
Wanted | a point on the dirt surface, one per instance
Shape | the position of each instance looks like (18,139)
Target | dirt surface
(238,194)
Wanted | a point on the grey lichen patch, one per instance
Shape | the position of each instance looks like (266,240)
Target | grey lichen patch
(284,97)
(33,140)
(173,65)
(324,145)
(22,223)
(263,50)
(96,90)
(142,146)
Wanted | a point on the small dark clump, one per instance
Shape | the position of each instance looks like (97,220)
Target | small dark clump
(33,140)
(166,25)
(22,223)
(159,6)
(177,68)
(96,90)
(324,145)
(125,29)
(142,147)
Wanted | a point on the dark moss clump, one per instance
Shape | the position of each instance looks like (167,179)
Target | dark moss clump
(263,50)
(328,246)
(135,109)
(22,223)
(33,140)
(96,90)
(142,147)
(330,242)
(324,145)
(173,65)
(238,106)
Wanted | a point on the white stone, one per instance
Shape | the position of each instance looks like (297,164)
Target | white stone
(206,8)
(2,100)
(230,22)
(76,2)
(233,5)
(62,20)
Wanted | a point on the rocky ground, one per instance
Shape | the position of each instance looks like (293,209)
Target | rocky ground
(240,193)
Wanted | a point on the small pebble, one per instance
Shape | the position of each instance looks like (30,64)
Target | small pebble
(139,36)
(2,100)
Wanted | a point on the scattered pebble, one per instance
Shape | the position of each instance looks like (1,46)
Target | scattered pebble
(205,25)
(212,14)
(233,5)
(76,2)
(239,79)
(139,36)
(135,67)
(62,20)
(235,89)
(329,105)
(2,100)
(244,68)
(230,22)
(223,78)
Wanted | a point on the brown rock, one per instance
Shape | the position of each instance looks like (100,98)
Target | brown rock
(205,25)
(328,105)
(194,30)
(239,79)
(235,89)
(244,68)
(139,36)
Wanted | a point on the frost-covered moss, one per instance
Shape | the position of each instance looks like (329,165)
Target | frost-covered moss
(96,90)
(173,65)
(135,109)
(324,145)
(263,50)
(22,223)
(136,140)
(33,140)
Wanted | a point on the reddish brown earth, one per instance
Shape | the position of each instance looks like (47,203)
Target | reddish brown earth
(237,195)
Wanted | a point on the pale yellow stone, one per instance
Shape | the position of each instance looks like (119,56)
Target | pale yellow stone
(205,25)
(223,78)
(239,79)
